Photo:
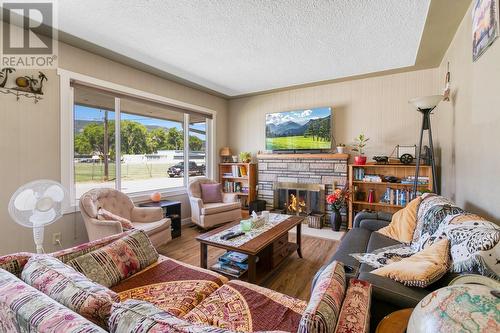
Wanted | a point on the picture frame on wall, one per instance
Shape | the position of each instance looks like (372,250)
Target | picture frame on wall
(484,26)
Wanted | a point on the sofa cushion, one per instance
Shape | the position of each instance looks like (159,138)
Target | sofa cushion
(241,306)
(134,316)
(70,288)
(323,308)
(355,312)
(422,268)
(389,291)
(106,215)
(25,309)
(215,208)
(403,223)
(167,270)
(175,297)
(118,260)
(211,193)
(379,241)
(355,241)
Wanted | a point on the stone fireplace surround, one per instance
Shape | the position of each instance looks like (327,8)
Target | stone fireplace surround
(327,169)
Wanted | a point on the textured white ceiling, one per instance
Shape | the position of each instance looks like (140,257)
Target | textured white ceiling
(238,47)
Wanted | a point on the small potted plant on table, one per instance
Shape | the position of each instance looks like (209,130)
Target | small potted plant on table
(359,146)
(337,200)
(341,148)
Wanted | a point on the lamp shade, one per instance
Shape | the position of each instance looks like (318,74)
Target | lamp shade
(426,102)
(225,151)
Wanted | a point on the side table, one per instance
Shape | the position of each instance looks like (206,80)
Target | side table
(395,322)
(171,210)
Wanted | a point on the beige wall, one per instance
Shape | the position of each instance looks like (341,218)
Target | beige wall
(469,126)
(377,107)
(30,139)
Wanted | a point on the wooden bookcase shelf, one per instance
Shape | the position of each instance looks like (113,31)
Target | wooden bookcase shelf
(249,181)
(379,188)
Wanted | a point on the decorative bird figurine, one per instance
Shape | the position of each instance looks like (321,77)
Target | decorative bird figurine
(36,85)
(5,74)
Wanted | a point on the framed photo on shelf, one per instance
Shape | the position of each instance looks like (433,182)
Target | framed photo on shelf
(484,26)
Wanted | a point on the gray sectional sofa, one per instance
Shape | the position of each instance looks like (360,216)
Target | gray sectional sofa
(387,295)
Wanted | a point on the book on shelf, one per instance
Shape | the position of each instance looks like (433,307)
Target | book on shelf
(411,180)
(237,171)
(359,173)
(231,187)
(398,197)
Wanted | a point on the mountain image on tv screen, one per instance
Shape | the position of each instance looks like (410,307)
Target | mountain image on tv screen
(300,129)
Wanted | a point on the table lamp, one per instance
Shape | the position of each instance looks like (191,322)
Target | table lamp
(225,153)
(425,105)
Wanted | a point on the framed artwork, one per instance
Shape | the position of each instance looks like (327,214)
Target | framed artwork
(484,26)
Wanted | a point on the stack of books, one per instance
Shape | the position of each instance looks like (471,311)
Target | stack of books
(231,263)
(231,187)
(237,171)
(411,180)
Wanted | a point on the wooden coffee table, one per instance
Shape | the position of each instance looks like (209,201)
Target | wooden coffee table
(271,247)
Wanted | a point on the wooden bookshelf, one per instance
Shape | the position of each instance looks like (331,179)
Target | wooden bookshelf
(379,188)
(249,180)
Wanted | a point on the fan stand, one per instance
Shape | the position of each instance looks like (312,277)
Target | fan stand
(38,238)
(426,125)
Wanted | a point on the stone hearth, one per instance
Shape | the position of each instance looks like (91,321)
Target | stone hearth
(329,170)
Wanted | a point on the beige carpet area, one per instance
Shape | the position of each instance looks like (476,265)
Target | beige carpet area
(323,233)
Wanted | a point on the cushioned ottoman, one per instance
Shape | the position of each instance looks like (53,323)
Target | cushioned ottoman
(240,306)
(171,286)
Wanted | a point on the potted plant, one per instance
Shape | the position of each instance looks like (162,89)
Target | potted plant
(338,200)
(359,146)
(340,148)
(245,157)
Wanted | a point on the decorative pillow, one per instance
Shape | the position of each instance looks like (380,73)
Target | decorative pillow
(326,298)
(211,193)
(25,309)
(14,263)
(422,268)
(70,288)
(403,223)
(118,260)
(355,312)
(106,215)
(140,316)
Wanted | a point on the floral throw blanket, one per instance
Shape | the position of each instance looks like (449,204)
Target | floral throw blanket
(474,242)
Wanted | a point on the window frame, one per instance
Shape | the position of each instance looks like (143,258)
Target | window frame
(67,132)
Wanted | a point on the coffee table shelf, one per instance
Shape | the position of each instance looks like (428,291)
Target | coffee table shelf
(271,247)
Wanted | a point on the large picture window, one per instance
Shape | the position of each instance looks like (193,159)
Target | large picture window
(134,146)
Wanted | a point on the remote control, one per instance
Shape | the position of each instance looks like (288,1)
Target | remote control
(225,236)
(235,235)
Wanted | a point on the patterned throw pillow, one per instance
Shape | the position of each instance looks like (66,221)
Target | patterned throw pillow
(139,316)
(421,269)
(70,288)
(326,298)
(25,309)
(355,313)
(106,215)
(118,260)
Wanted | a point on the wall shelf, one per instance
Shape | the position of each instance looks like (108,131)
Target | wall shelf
(21,93)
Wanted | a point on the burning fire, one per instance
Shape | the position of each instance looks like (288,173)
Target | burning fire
(296,206)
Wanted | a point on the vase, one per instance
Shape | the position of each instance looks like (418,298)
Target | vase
(335,219)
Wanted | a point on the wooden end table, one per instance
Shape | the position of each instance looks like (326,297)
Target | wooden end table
(172,210)
(395,322)
(271,247)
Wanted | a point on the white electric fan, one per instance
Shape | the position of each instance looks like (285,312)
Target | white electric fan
(37,204)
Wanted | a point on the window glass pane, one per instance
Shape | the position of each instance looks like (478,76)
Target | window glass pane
(94,141)
(197,147)
(151,147)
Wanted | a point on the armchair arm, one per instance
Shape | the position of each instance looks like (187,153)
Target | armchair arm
(98,229)
(146,214)
(196,206)
(229,197)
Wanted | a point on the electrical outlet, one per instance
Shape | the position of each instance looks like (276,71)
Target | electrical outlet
(56,238)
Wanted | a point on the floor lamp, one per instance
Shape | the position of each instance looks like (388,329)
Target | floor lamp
(425,105)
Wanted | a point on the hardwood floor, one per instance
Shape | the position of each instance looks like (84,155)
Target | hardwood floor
(294,276)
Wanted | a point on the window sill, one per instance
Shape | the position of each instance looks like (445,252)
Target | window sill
(138,197)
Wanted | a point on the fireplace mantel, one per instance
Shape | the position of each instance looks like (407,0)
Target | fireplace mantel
(303,156)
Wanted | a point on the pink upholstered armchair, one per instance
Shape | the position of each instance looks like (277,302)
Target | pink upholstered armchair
(151,220)
(208,215)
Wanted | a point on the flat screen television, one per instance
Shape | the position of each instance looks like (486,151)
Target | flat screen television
(308,129)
